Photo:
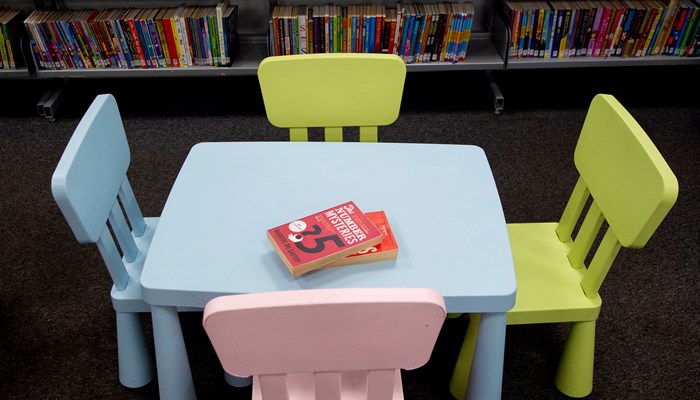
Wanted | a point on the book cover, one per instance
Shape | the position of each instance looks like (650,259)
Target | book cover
(318,239)
(387,249)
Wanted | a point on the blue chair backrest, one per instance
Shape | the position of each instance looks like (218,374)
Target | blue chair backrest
(90,182)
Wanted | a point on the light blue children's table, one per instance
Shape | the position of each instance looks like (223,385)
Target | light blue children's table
(441,202)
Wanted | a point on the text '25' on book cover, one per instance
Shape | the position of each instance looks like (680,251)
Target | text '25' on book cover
(321,238)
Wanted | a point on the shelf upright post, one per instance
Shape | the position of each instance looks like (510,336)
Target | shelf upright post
(496,95)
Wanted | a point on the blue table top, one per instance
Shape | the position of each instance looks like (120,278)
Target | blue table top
(441,202)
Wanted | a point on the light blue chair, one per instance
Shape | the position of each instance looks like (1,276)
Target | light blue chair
(91,189)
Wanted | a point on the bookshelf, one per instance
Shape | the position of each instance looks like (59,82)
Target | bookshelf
(586,61)
(488,46)
(483,53)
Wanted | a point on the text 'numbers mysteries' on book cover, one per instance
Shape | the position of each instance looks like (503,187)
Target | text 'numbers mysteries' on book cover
(388,249)
(321,238)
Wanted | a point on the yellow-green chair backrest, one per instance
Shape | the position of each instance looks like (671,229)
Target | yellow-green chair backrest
(631,185)
(332,91)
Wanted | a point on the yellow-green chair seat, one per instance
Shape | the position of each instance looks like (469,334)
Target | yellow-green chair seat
(547,289)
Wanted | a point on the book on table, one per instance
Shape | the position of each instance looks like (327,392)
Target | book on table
(321,238)
(387,249)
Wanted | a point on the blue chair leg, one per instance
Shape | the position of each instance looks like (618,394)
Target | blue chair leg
(136,367)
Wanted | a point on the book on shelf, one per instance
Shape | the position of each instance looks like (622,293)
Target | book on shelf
(421,32)
(601,28)
(10,33)
(134,38)
(387,249)
(321,238)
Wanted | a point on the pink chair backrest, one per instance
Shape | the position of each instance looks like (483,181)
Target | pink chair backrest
(325,331)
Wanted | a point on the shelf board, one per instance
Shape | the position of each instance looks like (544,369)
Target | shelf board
(15,73)
(589,62)
(253,50)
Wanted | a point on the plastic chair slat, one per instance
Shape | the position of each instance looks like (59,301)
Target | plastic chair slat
(600,264)
(369,134)
(380,384)
(327,385)
(113,260)
(274,387)
(334,134)
(573,211)
(298,135)
(586,236)
(131,207)
(123,233)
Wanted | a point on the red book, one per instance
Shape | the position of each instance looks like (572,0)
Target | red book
(388,249)
(170,37)
(313,241)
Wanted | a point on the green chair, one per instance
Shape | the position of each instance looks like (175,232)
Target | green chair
(631,188)
(332,91)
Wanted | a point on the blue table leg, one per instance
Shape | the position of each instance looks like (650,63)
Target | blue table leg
(486,375)
(174,375)
(237,381)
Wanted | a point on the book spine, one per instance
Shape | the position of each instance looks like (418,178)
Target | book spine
(90,49)
(545,38)
(645,33)
(677,23)
(105,42)
(693,35)
(4,57)
(303,45)
(632,29)
(128,43)
(583,32)
(139,59)
(574,30)
(602,32)
(192,40)
(163,42)
(220,30)
(467,32)
(172,40)
(119,49)
(661,14)
(34,44)
(159,60)
(143,43)
(688,24)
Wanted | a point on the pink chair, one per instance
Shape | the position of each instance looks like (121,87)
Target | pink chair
(325,343)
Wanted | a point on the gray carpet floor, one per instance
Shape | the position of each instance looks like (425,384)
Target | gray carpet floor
(57,337)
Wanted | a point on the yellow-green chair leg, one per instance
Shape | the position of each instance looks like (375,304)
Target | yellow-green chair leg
(574,375)
(460,375)
(454,315)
